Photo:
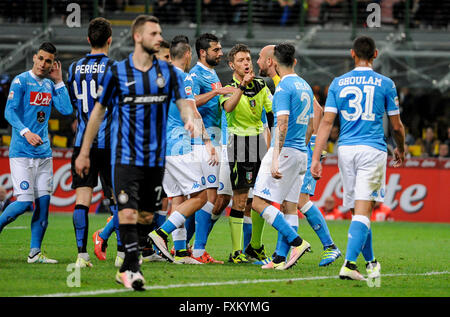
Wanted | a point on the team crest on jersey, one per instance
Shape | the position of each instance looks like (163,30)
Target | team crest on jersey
(40,116)
(40,98)
(123,197)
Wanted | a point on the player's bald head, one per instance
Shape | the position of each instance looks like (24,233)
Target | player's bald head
(267,51)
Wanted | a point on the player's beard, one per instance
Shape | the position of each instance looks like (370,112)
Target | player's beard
(149,50)
(212,61)
(263,72)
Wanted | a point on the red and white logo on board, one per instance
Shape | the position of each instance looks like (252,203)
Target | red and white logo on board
(40,98)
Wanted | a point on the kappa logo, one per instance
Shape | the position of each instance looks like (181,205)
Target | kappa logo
(266,191)
(195,185)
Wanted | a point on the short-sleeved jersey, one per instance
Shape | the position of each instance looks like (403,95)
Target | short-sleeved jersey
(361,97)
(178,139)
(246,118)
(205,80)
(294,97)
(83,80)
(29,106)
(140,107)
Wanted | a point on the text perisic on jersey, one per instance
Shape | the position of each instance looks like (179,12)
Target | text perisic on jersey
(360,80)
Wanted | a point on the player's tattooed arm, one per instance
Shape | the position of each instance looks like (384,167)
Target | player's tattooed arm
(282,127)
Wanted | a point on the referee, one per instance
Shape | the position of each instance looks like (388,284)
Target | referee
(248,132)
(138,90)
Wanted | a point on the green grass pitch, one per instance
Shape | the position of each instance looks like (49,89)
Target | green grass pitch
(415,261)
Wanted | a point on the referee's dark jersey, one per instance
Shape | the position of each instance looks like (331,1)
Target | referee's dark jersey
(84,78)
(140,109)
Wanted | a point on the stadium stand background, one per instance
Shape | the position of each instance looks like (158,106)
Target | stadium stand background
(413,40)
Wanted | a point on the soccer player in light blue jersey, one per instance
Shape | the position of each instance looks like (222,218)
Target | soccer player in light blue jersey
(284,165)
(207,88)
(31,98)
(312,213)
(183,177)
(360,98)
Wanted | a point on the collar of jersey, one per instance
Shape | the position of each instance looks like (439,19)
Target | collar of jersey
(36,78)
(206,68)
(98,54)
(130,57)
(289,75)
(362,68)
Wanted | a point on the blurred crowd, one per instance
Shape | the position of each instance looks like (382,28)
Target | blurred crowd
(425,115)
(423,13)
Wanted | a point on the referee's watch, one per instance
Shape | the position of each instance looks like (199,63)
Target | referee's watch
(241,87)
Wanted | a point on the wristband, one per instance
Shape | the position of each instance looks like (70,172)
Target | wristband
(23,131)
(241,87)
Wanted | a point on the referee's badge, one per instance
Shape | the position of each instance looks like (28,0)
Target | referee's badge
(252,103)
(249,176)
(123,197)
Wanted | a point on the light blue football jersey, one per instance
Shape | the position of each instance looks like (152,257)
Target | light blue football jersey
(29,106)
(178,139)
(293,96)
(206,80)
(361,97)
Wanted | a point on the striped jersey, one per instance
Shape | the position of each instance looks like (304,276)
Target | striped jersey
(84,78)
(139,102)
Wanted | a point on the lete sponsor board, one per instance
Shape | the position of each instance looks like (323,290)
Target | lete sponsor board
(63,198)
(418,191)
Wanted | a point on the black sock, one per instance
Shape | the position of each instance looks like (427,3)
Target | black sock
(130,242)
(145,244)
(296,242)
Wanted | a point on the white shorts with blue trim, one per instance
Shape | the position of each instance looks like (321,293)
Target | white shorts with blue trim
(363,173)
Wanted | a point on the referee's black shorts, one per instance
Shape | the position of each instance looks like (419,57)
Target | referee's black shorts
(100,160)
(138,187)
(244,156)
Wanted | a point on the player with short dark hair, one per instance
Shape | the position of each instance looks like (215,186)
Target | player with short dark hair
(284,165)
(83,81)
(360,98)
(31,97)
(312,213)
(138,90)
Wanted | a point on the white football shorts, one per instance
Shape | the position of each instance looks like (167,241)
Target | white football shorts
(211,173)
(183,176)
(224,174)
(31,177)
(363,173)
(292,165)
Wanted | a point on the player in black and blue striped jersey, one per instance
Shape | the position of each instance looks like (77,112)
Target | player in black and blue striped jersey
(138,91)
(84,77)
